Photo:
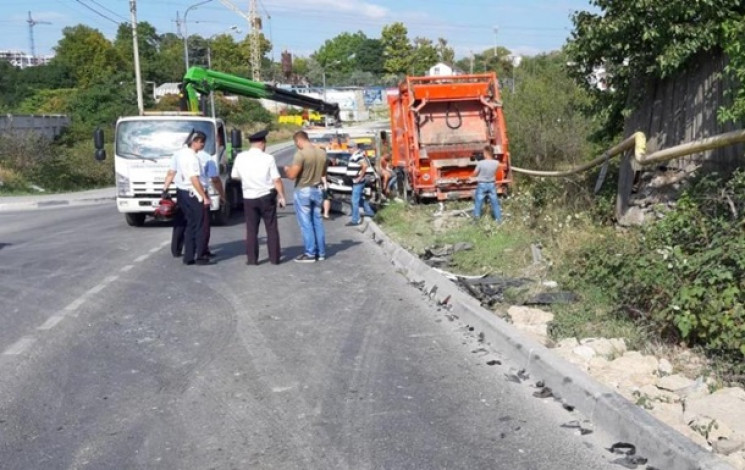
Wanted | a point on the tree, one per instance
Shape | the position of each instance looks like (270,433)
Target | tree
(423,56)
(369,57)
(148,42)
(87,54)
(396,48)
(445,53)
(638,40)
(170,59)
(547,128)
(300,66)
(341,51)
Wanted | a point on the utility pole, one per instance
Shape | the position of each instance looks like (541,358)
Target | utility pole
(31,23)
(255,57)
(135,46)
(471,52)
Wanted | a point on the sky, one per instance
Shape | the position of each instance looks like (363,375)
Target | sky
(525,27)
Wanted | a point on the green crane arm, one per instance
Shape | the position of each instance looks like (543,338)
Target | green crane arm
(201,80)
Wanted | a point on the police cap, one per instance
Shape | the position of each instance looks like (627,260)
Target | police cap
(258,136)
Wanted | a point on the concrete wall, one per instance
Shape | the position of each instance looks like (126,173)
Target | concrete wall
(49,126)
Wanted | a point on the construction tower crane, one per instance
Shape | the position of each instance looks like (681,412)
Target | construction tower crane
(254,23)
(31,23)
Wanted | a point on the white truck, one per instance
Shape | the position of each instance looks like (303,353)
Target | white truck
(143,146)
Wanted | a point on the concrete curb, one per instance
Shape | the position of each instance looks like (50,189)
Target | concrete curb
(607,409)
(64,200)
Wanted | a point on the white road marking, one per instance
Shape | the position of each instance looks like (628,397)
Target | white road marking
(76,303)
(97,289)
(51,322)
(102,285)
(19,346)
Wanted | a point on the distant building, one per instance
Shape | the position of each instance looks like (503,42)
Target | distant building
(166,89)
(23,60)
(441,69)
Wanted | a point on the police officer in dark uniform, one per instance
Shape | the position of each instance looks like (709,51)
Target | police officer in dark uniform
(262,193)
(192,197)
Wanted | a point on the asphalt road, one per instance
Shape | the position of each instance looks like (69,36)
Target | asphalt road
(115,355)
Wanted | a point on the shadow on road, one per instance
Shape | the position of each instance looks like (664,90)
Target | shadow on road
(237,248)
(3,245)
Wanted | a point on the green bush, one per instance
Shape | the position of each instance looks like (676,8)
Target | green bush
(74,168)
(683,277)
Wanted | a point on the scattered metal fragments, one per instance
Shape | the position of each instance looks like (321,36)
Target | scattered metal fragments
(584,427)
(493,362)
(548,298)
(442,255)
(629,459)
(544,392)
(489,290)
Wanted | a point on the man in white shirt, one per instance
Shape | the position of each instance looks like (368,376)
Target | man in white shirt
(262,192)
(192,197)
(209,174)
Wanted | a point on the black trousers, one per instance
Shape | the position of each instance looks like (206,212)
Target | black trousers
(179,229)
(194,234)
(256,210)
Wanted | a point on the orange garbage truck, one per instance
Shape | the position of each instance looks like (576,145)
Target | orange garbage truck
(439,128)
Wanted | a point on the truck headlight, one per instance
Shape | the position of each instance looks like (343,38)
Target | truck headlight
(122,185)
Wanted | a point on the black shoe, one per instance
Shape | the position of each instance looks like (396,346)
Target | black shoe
(305,259)
(248,263)
(189,263)
(352,224)
(208,254)
(177,255)
(204,262)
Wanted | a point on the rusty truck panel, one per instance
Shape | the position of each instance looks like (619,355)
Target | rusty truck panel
(439,128)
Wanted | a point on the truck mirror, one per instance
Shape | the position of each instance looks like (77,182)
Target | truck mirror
(236,141)
(100,155)
(98,139)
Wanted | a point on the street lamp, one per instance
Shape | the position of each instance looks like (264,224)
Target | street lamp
(209,60)
(186,35)
(496,30)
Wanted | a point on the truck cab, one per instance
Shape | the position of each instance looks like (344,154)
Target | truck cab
(143,147)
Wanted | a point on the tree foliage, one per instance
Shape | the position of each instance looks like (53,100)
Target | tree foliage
(87,54)
(397,50)
(547,128)
(637,40)
(424,55)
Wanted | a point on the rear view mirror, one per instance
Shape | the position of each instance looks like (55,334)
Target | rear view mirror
(98,138)
(100,154)
(236,141)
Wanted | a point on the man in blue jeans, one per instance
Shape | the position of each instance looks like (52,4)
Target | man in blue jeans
(357,167)
(486,177)
(308,169)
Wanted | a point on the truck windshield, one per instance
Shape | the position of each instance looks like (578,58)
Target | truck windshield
(155,139)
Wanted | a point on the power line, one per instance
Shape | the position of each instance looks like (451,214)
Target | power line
(124,19)
(98,12)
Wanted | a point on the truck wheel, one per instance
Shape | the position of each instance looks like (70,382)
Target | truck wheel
(135,219)
(222,215)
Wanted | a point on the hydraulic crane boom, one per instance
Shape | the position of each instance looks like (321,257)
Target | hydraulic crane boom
(201,80)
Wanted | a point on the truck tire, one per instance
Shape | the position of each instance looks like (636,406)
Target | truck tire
(135,219)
